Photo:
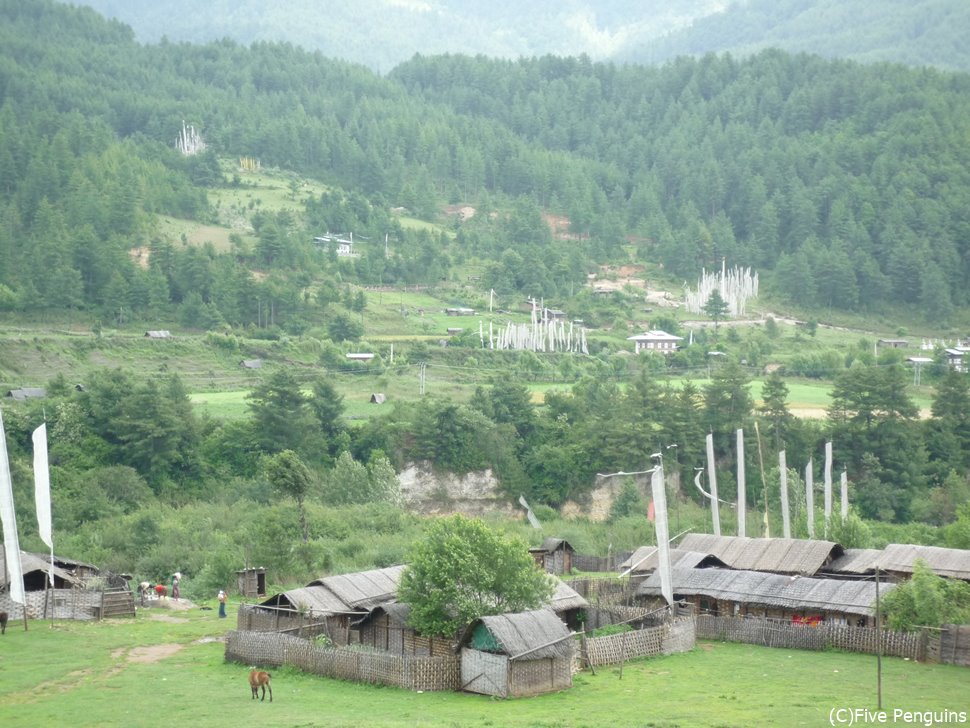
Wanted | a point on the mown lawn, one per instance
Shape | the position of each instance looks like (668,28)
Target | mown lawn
(168,667)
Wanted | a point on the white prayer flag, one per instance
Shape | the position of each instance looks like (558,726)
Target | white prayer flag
(11,540)
(42,485)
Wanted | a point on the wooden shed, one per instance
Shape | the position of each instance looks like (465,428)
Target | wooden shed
(251,582)
(513,655)
(555,556)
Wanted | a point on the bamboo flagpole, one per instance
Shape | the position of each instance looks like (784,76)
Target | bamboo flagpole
(828,486)
(742,486)
(712,484)
(11,540)
(809,499)
(783,477)
(844,481)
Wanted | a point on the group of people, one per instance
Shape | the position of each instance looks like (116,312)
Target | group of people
(146,588)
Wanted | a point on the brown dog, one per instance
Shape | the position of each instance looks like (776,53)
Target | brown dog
(260,679)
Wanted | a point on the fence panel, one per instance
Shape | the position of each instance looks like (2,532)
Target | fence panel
(345,663)
(780,633)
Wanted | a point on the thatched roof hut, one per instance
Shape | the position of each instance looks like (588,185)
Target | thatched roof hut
(736,593)
(363,590)
(899,559)
(35,568)
(776,555)
(526,653)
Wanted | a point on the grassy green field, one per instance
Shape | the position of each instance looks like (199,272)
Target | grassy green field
(167,668)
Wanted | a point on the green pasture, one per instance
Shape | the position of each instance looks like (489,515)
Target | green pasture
(168,667)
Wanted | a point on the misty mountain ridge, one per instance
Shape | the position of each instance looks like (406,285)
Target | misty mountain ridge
(381,34)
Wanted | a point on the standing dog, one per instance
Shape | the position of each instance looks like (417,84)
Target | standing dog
(260,679)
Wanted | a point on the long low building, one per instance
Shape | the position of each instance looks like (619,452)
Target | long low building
(776,555)
(727,592)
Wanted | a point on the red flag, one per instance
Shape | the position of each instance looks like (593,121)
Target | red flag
(651,515)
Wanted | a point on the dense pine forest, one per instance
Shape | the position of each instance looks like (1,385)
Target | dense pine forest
(845,185)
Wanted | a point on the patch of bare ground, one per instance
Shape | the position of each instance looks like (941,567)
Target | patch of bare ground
(152,653)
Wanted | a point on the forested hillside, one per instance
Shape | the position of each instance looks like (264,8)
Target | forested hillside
(846,181)
(844,185)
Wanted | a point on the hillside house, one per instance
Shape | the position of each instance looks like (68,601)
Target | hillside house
(25,393)
(655,340)
(342,246)
(893,343)
(957,358)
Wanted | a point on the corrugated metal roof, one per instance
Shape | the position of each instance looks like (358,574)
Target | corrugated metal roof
(954,563)
(778,555)
(772,590)
(534,635)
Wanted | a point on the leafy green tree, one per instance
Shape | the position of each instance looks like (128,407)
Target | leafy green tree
(462,569)
(927,600)
(351,482)
(290,476)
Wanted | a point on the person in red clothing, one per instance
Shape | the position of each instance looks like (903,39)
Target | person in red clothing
(160,590)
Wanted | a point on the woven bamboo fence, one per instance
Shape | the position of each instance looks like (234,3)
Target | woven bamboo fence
(345,663)
(951,645)
(678,635)
(781,633)
(266,619)
(602,590)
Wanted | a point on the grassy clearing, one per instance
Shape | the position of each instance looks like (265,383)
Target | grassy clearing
(168,667)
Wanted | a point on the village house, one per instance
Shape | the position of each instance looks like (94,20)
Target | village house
(799,599)
(806,557)
(342,246)
(655,340)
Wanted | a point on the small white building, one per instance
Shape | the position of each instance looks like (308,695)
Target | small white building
(656,340)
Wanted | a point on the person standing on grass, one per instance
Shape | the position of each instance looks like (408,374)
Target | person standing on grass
(222,603)
(176,579)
